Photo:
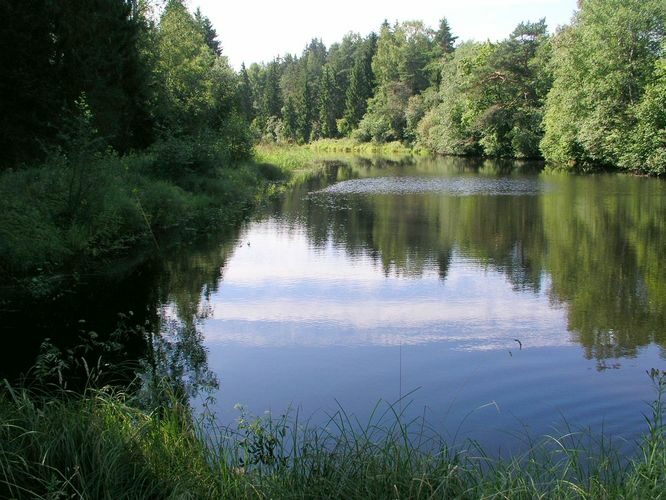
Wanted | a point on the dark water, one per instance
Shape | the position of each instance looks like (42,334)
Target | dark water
(498,301)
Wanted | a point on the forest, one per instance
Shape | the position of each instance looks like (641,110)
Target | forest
(119,133)
(132,74)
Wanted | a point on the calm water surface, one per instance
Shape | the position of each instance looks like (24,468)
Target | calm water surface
(497,301)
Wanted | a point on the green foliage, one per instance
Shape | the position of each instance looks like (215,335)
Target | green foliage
(403,53)
(450,127)
(246,96)
(84,207)
(491,97)
(208,32)
(603,66)
(190,80)
(55,51)
(646,144)
(327,111)
(360,87)
(385,120)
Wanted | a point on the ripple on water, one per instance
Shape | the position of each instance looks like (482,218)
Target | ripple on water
(455,186)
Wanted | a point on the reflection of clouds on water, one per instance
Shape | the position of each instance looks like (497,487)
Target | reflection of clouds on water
(456,186)
(457,335)
(316,298)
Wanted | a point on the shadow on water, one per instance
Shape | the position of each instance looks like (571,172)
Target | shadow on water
(146,322)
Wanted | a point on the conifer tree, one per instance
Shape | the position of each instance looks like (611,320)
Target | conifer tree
(208,31)
(245,95)
(360,86)
(327,103)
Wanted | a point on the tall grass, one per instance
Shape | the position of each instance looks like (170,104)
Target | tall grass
(352,146)
(289,157)
(103,444)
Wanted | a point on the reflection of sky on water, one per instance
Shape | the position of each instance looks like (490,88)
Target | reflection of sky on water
(279,290)
(313,310)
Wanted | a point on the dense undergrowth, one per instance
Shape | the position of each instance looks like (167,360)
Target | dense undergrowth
(109,444)
(83,209)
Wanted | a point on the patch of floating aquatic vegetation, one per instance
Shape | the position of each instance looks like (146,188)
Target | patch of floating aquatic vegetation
(456,186)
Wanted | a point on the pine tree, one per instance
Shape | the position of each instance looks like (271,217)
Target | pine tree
(304,111)
(289,120)
(272,102)
(444,39)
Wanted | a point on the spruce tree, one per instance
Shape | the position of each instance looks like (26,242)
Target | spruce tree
(208,31)
(245,95)
(360,85)
(327,103)
(444,39)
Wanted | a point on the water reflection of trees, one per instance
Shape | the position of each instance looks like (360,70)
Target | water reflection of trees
(606,239)
(600,239)
(175,352)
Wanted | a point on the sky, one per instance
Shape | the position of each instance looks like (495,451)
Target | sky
(257,31)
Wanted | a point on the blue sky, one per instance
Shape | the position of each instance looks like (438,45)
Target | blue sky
(255,31)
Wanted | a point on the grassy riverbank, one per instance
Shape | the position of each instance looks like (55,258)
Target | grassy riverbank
(295,157)
(351,146)
(106,444)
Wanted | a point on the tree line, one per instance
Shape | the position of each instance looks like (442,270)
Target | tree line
(591,95)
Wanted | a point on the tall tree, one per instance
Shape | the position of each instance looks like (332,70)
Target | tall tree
(603,65)
(646,144)
(327,109)
(53,52)
(208,31)
(444,38)
(361,86)
(491,97)
(245,95)
(341,57)
(444,45)
(272,96)
(184,66)
(31,92)
(289,120)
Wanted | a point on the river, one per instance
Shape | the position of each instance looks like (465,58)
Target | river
(499,302)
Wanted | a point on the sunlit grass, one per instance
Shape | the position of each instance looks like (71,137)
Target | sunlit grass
(352,146)
(296,157)
(287,157)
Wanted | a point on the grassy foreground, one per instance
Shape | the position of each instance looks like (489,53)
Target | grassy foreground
(105,444)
